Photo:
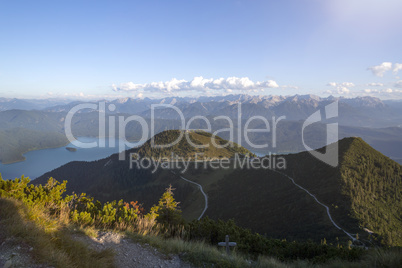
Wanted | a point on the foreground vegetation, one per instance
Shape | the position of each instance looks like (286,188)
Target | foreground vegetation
(45,218)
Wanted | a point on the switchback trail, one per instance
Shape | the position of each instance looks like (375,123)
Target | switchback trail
(202,191)
(315,198)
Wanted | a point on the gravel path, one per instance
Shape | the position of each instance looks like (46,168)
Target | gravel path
(131,254)
(14,253)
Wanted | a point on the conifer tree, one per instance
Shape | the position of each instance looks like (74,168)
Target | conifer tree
(167,212)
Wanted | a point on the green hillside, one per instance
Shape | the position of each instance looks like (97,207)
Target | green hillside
(184,147)
(363,192)
(374,184)
(110,178)
(268,203)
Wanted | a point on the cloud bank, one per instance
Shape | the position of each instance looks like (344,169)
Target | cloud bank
(200,84)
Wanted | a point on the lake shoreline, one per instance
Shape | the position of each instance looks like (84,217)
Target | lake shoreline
(31,150)
(51,147)
(38,162)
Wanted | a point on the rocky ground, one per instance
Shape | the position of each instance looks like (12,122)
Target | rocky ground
(14,253)
(131,254)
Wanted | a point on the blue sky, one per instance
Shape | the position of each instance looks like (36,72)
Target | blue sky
(95,49)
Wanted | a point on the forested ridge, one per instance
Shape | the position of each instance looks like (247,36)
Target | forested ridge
(262,200)
(363,192)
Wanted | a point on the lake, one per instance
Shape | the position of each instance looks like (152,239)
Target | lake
(41,161)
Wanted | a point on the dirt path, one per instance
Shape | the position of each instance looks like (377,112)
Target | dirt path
(165,165)
(203,193)
(15,253)
(315,198)
(131,254)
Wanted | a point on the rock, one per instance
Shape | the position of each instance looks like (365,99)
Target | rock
(8,264)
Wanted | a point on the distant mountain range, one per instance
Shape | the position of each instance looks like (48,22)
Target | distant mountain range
(29,104)
(359,111)
(378,122)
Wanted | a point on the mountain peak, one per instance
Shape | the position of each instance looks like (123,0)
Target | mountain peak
(184,143)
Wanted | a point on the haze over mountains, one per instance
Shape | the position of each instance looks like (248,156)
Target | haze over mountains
(29,104)
(359,111)
(377,122)
(369,111)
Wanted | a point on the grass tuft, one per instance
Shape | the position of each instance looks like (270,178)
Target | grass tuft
(51,241)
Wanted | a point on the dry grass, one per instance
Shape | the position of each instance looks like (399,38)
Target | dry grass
(198,253)
(384,258)
(51,241)
(51,238)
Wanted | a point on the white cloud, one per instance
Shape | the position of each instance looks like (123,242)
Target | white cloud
(344,84)
(290,86)
(379,70)
(375,84)
(370,91)
(332,84)
(343,90)
(348,84)
(340,88)
(397,67)
(198,84)
(398,84)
